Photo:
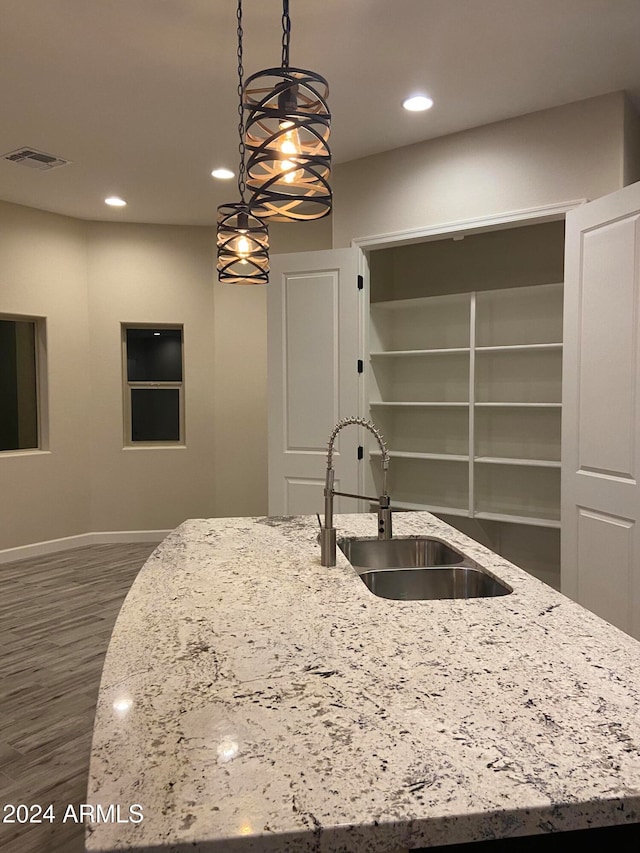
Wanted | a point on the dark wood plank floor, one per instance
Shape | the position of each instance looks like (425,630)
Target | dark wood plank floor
(56,617)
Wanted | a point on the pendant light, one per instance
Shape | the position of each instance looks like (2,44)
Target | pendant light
(287,132)
(242,238)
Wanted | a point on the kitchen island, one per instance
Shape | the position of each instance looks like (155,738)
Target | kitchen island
(254,700)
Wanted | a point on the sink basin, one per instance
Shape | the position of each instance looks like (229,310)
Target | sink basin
(433,583)
(418,568)
(400,553)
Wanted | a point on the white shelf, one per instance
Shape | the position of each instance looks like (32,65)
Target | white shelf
(404,454)
(423,323)
(505,460)
(429,429)
(521,405)
(531,521)
(520,348)
(415,507)
(516,433)
(518,374)
(418,352)
(417,405)
(519,315)
(453,299)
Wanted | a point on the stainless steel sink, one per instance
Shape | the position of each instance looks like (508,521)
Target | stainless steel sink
(433,583)
(418,568)
(400,553)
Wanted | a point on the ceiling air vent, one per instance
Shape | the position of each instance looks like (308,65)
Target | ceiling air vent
(34,159)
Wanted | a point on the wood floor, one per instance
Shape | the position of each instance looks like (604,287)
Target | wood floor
(56,617)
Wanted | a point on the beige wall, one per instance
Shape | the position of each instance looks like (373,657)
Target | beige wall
(87,279)
(240,400)
(43,272)
(569,152)
(150,274)
(286,237)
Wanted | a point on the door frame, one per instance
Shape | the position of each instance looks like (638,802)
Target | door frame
(422,234)
(527,216)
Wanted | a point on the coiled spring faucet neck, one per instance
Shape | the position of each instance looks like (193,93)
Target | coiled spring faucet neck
(328,532)
(373,429)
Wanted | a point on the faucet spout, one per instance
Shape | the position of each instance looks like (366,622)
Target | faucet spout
(328,531)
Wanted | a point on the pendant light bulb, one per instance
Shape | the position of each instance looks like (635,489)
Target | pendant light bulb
(243,247)
(290,145)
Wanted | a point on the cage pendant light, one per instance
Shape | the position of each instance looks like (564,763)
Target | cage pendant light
(242,237)
(287,138)
(243,246)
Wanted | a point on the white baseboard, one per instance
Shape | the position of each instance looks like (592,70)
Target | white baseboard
(107,537)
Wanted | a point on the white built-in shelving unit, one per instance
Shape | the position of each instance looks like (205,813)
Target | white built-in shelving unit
(466,388)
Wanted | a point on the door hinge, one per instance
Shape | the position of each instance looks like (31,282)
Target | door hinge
(360,282)
(360,452)
(360,366)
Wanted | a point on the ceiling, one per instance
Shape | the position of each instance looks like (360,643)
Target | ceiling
(140,95)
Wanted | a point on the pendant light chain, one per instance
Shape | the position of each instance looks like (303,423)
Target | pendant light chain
(242,237)
(286,33)
(241,147)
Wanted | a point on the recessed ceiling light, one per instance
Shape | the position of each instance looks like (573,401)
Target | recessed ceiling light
(222,174)
(417,103)
(115,201)
(156,333)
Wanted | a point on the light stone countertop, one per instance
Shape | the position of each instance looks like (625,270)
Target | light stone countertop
(253,700)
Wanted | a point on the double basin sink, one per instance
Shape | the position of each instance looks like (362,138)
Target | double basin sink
(418,568)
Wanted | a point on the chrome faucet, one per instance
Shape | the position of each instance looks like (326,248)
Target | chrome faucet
(328,531)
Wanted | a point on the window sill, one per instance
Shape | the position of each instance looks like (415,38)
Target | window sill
(155,446)
(34,451)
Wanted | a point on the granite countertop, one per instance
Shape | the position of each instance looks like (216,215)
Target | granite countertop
(253,700)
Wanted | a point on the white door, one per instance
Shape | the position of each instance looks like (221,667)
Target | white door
(601,409)
(313,379)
